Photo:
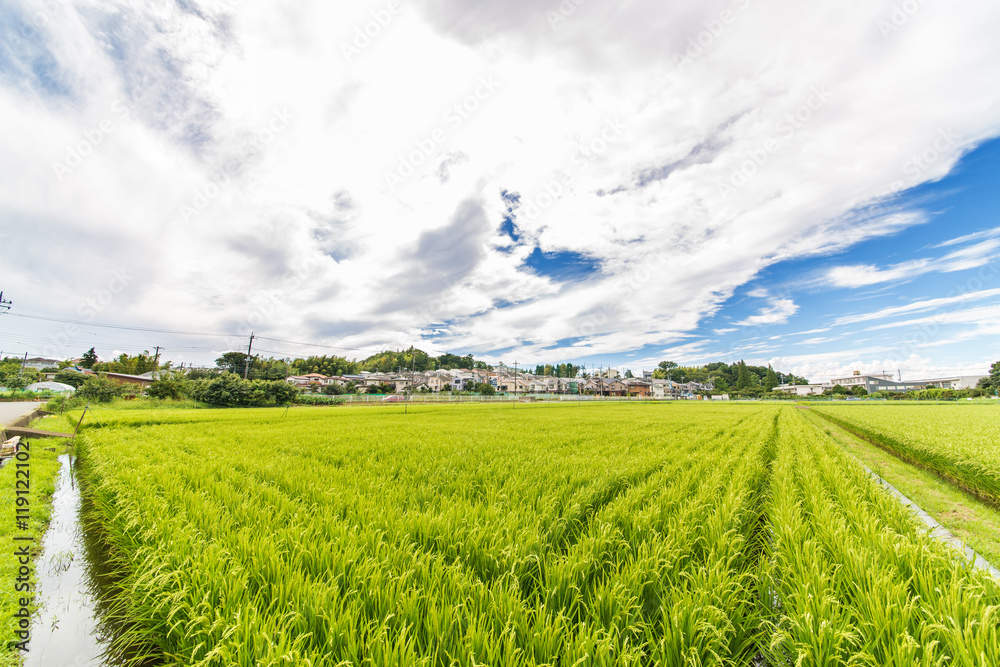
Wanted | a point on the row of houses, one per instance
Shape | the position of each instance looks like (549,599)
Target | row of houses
(505,382)
(882,382)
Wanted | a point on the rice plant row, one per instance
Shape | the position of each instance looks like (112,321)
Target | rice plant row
(855,581)
(960,443)
(617,534)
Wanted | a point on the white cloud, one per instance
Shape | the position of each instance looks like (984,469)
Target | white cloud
(776,312)
(985,234)
(861,275)
(251,126)
(918,307)
(982,315)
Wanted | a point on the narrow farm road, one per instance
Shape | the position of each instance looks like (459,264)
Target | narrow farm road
(11,412)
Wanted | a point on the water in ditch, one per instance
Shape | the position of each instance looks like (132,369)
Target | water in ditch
(68,630)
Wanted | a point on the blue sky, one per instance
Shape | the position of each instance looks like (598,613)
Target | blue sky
(807,186)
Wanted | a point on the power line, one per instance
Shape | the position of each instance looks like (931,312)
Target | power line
(121,326)
(331,347)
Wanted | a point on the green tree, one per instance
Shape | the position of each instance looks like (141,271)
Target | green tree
(72,378)
(260,368)
(770,379)
(173,386)
(484,389)
(89,358)
(665,370)
(100,389)
(991,383)
(628,373)
(128,364)
(743,380)
(232,362)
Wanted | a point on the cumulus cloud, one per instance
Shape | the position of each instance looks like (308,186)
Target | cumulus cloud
(231,151)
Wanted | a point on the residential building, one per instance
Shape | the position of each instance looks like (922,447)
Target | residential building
(463,381)
(664,389)
(638,387)
(510,384)
(613,388)
(801,389)
(38,363)
(309,379)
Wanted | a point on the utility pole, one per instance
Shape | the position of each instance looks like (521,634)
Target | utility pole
(4,304)
(246,364)
(156,362)
(514,404)
(23,362)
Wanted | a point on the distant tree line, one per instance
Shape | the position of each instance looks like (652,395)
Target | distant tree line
(738,376)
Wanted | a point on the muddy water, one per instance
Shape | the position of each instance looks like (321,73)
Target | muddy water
(67,630)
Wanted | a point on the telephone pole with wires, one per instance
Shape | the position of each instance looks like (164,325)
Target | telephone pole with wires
(246,365)
(4,304)
(514,404)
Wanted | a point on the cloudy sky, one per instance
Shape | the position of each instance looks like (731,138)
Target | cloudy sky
(807,184)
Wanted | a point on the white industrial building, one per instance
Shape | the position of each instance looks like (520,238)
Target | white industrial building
(882,382)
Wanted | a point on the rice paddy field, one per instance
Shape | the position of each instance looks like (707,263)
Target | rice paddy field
(961,443)
(614,534)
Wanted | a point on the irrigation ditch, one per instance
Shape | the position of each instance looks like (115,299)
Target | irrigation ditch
(73,626)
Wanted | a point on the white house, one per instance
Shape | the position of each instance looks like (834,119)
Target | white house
(38,363)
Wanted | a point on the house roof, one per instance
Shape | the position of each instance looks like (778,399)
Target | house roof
(128,376)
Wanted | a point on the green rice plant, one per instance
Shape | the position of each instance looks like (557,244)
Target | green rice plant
(481,535)
(857,580)
(958,442)
(494,542)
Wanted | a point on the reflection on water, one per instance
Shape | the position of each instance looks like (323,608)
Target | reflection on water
(67,631)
